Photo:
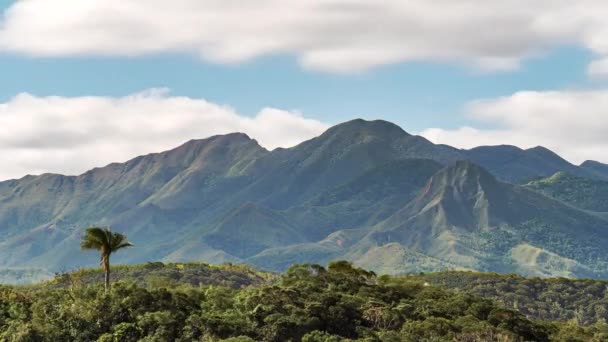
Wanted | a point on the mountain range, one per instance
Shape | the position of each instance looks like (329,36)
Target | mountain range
(364,191)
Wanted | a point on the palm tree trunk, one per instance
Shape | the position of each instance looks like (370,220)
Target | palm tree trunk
(106,266)
(107,280)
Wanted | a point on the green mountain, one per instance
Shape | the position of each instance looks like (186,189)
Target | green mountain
(584,193)
(365,200)
(238,232)
(513,164)
(366,191)
(464,216)
(465,219)
(290,177)
(596,168)
(42,217)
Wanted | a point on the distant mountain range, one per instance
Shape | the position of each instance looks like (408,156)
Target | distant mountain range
(364,191)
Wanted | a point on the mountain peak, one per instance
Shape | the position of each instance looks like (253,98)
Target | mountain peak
(461,196)
(461,182)
(596,168)
(361,126)
(512,164)
(231,141)
(544,152)
(230,138)
(593,163)
(502,148)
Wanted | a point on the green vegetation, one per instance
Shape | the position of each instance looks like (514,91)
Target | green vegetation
(171,274)
(584,193)
(106,242)
(307,303)
(468,218)
(584,301)
(363,191)
(197,192)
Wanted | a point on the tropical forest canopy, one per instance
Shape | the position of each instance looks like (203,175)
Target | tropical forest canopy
(197,302)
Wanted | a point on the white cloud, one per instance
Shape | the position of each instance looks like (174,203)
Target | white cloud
(73,134)
(598,68)
(571,123)
(330,35)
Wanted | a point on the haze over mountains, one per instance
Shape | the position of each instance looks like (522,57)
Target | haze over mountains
(365,191)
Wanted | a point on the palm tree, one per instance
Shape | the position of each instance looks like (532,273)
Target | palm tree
(106,242)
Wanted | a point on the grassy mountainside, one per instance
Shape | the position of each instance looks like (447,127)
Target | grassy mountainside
(307,303)
(42,217)
(186,191)
(466,219)
(584,193)
(365,200)
(290,177)
(239,233)
(357,192)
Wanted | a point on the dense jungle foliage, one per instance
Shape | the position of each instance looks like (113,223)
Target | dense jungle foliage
(583,300)
(307,303)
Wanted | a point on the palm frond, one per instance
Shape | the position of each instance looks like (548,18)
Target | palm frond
(119,241)
(95,238)
(106,242)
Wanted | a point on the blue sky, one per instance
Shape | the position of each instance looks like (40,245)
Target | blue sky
(414,95)
(433,89)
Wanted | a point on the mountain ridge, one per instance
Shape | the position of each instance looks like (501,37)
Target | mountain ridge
(226,198)
(463,206)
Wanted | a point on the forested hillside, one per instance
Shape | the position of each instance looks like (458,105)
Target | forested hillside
(584,301)
(584,193)
(307,303)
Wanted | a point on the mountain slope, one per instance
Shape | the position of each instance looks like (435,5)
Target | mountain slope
(250,229)
(596,168)
(185,191)
(41,217)
(513,164)
(360,191)
(365,200)
(290,177)
(584,193)
(467,217)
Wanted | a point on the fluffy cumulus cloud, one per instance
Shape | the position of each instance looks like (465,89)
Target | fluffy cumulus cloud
(572,123)
(71,135)
(329,35)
